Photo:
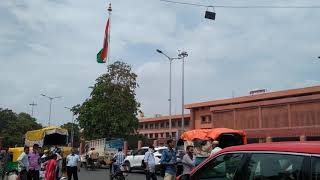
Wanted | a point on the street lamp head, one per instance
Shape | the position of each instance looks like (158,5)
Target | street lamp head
(159,51)
(43,95)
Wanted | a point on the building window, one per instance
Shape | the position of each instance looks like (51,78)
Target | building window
(167,124)
(150,136)
(179,123)
(151,126)
(161,135)
(167,134)
(141,126)
(156,135)
(206,119)
(174,134)
(156,125)
(146,126)
(173,124)
(162,125)
(186,123)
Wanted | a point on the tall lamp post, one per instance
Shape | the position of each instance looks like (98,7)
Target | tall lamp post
(72,128)
(50,98)
(170,80)
(182,55)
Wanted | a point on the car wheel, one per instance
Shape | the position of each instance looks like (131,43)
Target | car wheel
(127,163)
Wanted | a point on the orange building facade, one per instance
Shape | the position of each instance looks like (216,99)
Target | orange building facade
(289,115)
(158,127)
(276,116)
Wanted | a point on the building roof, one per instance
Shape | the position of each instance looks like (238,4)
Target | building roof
(258,97)
(162,118)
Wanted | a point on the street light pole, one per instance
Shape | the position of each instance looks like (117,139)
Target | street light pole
(182,55)
(50,98)
(170,82)
(72,128)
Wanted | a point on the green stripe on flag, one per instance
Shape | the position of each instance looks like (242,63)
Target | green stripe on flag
(99,59)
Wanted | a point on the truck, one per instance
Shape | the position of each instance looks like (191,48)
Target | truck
(106,148)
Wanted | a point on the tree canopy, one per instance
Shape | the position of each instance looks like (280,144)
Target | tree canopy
(111,110)
(14,126)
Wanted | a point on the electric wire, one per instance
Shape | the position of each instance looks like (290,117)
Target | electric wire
(243,7)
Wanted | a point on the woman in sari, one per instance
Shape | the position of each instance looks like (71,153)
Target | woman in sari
(51,167)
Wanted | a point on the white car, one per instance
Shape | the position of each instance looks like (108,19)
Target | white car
(134,160)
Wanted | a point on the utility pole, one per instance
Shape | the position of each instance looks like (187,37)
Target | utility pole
(32,106)
(72,128)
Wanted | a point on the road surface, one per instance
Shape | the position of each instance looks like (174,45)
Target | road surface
(103,174)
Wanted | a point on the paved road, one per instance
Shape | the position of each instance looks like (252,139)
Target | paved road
(103,174)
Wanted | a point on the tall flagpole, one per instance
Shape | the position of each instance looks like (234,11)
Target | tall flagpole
(109,33)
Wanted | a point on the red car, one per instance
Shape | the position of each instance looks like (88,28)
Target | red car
(267,161)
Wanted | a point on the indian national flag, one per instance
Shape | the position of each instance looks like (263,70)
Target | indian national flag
(103,53)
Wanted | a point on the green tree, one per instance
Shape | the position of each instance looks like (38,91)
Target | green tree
(76,137)
(111,110)
(14,126)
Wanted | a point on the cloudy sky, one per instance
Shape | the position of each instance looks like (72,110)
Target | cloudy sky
(50,46)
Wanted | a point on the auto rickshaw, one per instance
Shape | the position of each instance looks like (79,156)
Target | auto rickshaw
(14,154)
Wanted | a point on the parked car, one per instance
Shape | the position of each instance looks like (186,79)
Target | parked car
(268,161)
(134,160)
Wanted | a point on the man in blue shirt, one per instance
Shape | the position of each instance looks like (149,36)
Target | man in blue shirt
(169,159)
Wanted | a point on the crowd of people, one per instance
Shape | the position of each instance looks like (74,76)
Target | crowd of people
(36,163)
(169,161)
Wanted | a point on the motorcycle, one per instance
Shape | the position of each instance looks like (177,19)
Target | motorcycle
(120,173)
(92,164)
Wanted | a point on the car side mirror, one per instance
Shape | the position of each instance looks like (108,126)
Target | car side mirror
(184,177)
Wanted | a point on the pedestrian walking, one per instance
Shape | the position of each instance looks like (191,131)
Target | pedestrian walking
(4,159)
(59,164)
(73,165)
(34,163)
(51,166)
(169,159)
(150,164)
(44,158)
(119,159)
(23,164)
(188,161)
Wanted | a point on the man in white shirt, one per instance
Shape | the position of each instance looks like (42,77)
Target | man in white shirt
(215,147)
(150,163)
(73,165)
(23,164)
